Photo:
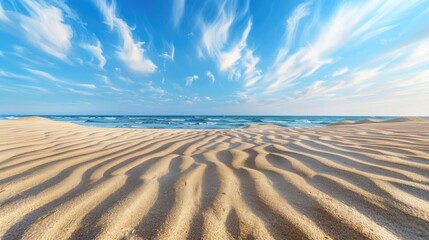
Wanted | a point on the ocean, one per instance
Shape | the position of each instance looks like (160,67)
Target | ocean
(197,122)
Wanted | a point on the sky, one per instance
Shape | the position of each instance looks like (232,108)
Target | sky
(180,57)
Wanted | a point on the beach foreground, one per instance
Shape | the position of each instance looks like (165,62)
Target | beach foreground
(351,181)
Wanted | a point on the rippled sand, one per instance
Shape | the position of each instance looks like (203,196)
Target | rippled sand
(61,181)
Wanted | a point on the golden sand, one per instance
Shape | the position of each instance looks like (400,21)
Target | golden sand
(354,181)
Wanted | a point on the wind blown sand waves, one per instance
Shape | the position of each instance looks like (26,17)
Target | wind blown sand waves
(360,181)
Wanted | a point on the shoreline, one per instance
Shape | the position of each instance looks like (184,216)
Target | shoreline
(249,126)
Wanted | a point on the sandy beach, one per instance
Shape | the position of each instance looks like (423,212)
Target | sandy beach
(348,181)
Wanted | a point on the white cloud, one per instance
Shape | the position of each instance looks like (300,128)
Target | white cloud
(410,56)
(85,93)
(398,75)
(208,98)
(178,10)
(358,21)
(169,56)
(117,89)
(44,28)
(191,79)
(315,90)
(292,23)
(340,72)
(235,58)
(227,59)
(190,100)
(44,75)
(51,78)
(8,89)
(125,79)
(3,16)
(68,12)
(131,52)
(85,85)
(215,34)
(357,81)
(40,89)
(251,73)
(211,76)
(149,87)
(122,77)
(96,51)
(105,79)
(5,74)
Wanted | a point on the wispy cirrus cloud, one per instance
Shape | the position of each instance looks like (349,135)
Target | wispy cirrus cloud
(10,75)
(178,10)
(214,34)
(229,57)
(3,16)
(43,26)
(189,80)
(105,79)
(96,51)
(85,93)
(411,56)
(251,73)
(130,51)
(190,100)
(50,77)
(40,89)
(357,21)
(219,42)
(150,87)
(169,56)
(292,24)
(340,72)
(211,76)
(321,88)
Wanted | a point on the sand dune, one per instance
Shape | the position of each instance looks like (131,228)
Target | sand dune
(371,120)
(360,181)
(408,119)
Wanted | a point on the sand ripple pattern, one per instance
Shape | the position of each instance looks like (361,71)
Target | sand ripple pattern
(63,181)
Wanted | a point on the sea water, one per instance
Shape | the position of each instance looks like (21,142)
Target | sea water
(197,122)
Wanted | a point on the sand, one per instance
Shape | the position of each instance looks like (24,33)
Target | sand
(359,181)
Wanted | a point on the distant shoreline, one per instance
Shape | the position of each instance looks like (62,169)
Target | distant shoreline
(200,121)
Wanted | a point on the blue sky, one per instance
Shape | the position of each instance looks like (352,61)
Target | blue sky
(214,57)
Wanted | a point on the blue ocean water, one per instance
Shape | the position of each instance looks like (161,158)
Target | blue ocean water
(197,122)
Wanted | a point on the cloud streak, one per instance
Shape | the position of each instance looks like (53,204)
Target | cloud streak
(48,76)
(96,51)
(211,76)
(131,52)
(10,75)
(189,80)
(43,27)
(3,16)
(85,93)
(233,56)
(340,72)
(169,56)
(351,21)
(178,10)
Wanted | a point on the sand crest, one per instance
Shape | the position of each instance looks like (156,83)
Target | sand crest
(356,181)
(371,120)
